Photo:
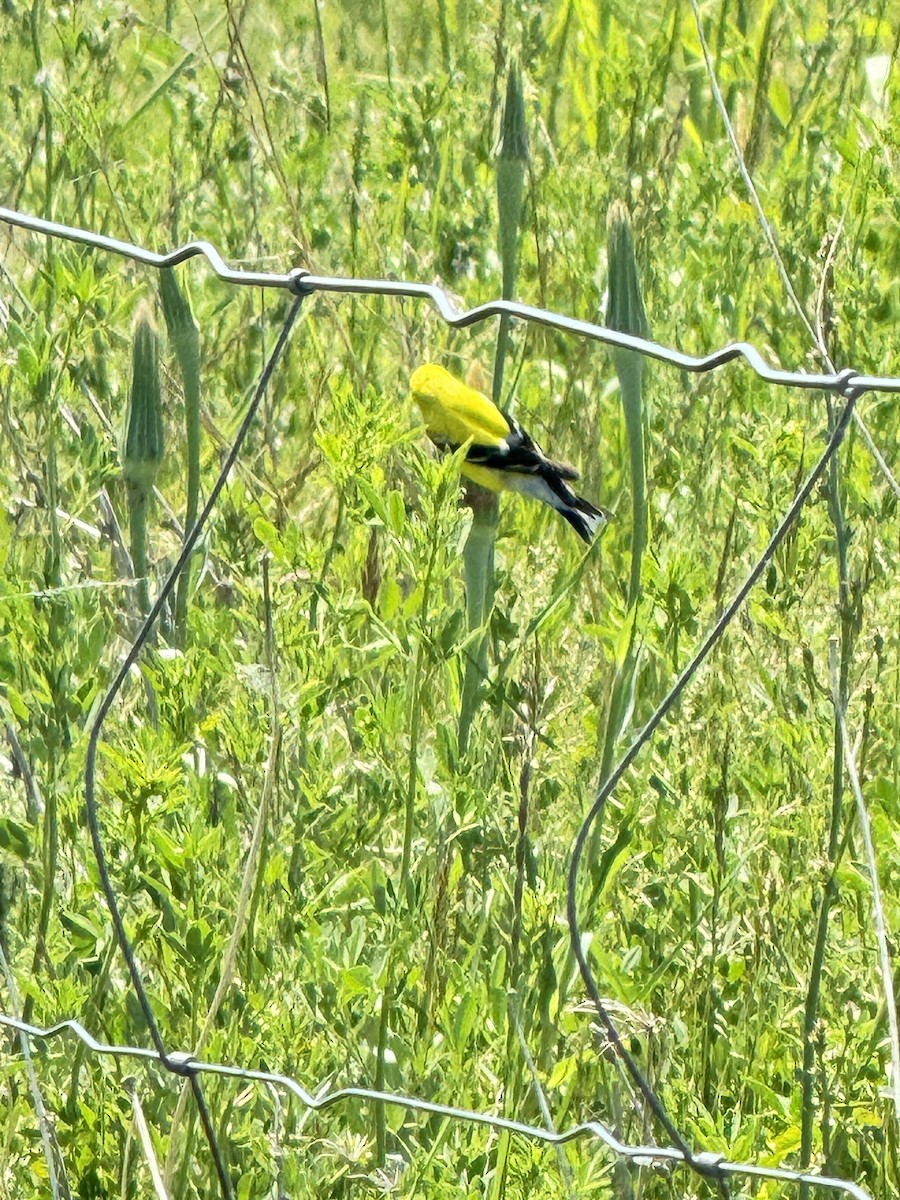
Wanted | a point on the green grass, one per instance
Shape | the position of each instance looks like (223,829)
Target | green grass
(401,920)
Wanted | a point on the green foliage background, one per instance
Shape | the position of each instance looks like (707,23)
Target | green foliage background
(360,140)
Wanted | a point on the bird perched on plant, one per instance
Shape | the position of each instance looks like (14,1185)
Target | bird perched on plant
(501,456)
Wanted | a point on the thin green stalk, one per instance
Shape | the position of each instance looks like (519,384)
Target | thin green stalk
(138,503)
(387,1001)
(500,43)
(415,721)
(761,103)
(407,890)
(444,29)
(478,572)
(46,111)
(329,556)
(386,34)
(555,88)
(56,734)
(513,975)
(45,399)
(360,159)
(57,1182)
(512,165)
(501,1165)
(881,932)
(322,64)
(521,854)
(412,776)
(830,891)
(143,445)
(185,338)
(626,314)
(811,1009)
(49,858)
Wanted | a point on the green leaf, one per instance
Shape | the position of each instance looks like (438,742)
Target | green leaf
(14,838)
(780,100)
(269,536)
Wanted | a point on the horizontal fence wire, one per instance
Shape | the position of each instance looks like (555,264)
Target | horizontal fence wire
(185,1065)
(847,383)
(302,282)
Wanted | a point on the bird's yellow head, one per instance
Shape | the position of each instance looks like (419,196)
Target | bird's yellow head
(453,412)
(430,379)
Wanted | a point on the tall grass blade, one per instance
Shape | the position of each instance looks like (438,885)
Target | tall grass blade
(185,338)
(478,571)
(142,451)
(512,165)
(626,314)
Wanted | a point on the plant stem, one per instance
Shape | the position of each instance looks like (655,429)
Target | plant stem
(830,891)
(478,570)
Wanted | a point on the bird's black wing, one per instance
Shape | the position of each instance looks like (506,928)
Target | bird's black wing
(519,453)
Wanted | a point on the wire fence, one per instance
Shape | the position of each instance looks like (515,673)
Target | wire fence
(848,384)
(186,1066)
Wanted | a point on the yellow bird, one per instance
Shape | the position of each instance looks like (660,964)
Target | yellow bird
(502,457)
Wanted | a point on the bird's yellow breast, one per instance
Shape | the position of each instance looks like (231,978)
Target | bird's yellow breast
(453,412)
(491,480)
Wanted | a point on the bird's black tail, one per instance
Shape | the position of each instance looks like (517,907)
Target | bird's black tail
(584,517)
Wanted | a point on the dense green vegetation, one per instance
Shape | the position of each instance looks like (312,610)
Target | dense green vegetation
(318,877)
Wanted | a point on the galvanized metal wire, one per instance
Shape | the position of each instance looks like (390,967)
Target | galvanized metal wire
(848,383)
(304,282)
(186,1065)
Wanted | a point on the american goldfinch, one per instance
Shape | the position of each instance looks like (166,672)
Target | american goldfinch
(502,457)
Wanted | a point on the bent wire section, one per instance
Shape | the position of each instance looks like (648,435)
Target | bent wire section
(304,282)
(186,1064)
